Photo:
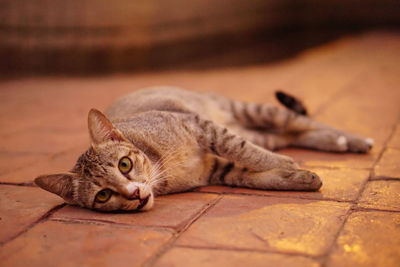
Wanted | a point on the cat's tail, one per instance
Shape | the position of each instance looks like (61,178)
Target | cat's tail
(291,102)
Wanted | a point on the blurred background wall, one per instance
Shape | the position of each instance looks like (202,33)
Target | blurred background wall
(104,36)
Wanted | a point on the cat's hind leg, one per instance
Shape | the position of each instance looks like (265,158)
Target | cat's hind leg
(326,139)
(298,129)
(333,141)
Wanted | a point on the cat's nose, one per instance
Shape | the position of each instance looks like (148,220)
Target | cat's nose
(135,194)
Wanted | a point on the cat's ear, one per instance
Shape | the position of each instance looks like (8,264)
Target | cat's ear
(59,184)
(101,129)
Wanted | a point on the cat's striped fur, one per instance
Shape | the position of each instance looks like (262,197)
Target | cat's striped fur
(178,140)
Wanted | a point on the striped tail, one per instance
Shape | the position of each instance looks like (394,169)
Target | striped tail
(291,102)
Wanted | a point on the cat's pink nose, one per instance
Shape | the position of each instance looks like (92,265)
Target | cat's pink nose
(135,194)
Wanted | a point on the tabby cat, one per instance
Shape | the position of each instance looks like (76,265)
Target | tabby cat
(163,140)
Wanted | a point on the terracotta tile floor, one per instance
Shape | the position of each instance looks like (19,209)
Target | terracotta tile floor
(353,220)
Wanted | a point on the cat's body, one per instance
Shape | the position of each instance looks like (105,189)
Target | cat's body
(163,140)
(158,117)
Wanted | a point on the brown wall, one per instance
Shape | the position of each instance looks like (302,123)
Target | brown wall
(89,36)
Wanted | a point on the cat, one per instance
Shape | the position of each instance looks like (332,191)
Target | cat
(163,140)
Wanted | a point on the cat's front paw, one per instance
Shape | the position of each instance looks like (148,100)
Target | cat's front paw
(305,180)
(285,162)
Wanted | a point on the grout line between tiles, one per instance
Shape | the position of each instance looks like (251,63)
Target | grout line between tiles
(271,251)
(105,222)
(354,206)
(274,196)
(172,241)
(30,226)
(30,184)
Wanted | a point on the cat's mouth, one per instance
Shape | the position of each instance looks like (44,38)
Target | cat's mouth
(143,202)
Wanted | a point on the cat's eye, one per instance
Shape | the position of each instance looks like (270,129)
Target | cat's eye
(103,195)
(125,165)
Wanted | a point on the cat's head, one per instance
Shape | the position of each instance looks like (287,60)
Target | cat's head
(111,175)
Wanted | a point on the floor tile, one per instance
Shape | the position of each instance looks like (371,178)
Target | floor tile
(21,206)
(266,223)
(381,195)
(368,239)
(173,211)
(62,244)
(222,258)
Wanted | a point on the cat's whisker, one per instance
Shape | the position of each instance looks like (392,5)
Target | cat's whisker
(156,171)
(160,179)
(164,160)
(160,175)
(177,164)
(167,159)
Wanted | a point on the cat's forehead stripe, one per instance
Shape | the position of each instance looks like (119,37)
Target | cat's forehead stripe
(150,151)
(96,182)
(90,164)
(109,164)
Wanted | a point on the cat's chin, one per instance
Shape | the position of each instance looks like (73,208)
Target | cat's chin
(147,205)
(141,205)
